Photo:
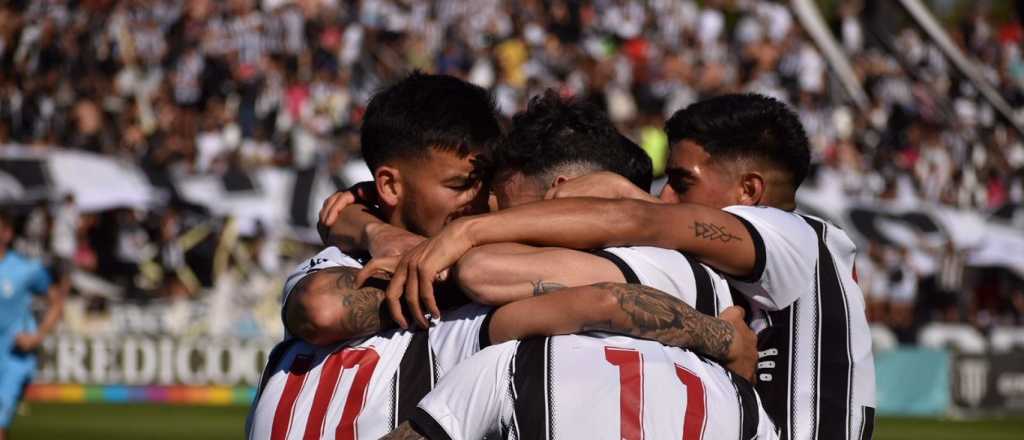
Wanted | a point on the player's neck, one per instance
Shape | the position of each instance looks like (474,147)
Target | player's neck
(392,216)
(785,200)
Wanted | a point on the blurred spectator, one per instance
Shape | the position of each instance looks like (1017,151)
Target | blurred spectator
(204,87)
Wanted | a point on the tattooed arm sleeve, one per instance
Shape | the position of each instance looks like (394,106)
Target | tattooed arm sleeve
(630,309)
(324,308)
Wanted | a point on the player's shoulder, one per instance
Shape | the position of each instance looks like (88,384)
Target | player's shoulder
(822,226)
(633,256)
(503,350)
(767,223)
(650,252)
(669,260)
(834,237)
(769,215)
(461,332)
(466,312)
(23,261)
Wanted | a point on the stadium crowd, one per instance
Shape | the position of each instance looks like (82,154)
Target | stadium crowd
(203,86)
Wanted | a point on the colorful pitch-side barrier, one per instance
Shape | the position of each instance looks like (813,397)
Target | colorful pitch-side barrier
(953,368)
(182,395)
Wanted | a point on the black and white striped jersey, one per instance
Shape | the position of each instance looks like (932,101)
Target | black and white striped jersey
(591,386)
(359,389)
(672,272)
(816,371)
(362,388)
(307,391)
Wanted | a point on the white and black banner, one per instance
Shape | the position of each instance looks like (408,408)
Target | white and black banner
(989,382)
(263,200)
(924,228)
(97,182)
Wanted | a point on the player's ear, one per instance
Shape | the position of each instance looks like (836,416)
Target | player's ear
(558,180)
(751,188)
(389,185)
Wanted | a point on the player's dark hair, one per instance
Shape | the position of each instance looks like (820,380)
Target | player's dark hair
(745,126)
(555,132)
(423,112)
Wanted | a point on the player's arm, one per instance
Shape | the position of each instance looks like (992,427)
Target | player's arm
(716,237)
(54,309)
(55,294)
(348,222)
(324,307)
(497,274)
(633,310)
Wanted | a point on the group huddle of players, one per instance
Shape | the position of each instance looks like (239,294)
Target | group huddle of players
(523,284)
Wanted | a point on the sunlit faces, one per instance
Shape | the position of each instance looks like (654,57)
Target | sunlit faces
(694,178)
(437,189)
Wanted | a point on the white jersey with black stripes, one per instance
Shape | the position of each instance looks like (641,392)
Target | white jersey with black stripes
(816,371)
(672,272)
(592,386)
(359,389)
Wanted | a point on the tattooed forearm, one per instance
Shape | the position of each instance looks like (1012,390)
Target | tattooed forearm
(404,432)
(541,287)
(649,313)
(711,231)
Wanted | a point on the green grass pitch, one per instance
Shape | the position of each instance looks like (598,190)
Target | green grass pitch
(141,421)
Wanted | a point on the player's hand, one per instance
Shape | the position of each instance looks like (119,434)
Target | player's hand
(603,185)
(742,357)
(390,241)
(413,278)
(383,267)
(28,342)
(362,192)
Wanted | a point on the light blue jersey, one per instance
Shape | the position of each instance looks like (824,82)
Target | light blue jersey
(20,279)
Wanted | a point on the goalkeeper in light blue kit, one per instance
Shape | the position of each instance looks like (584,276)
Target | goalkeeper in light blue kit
(20,336)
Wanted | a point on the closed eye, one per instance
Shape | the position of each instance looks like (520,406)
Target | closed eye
(679,180)
(463,184)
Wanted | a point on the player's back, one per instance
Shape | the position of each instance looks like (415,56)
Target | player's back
(358,389)
(593,387)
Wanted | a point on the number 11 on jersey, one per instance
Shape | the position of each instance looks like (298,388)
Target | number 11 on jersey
(631,393)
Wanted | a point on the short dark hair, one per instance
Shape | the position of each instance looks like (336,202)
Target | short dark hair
(423,112)
(554,132)
(745,125)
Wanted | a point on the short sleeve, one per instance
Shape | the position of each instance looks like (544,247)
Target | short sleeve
(786,251)
(471,401)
